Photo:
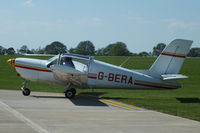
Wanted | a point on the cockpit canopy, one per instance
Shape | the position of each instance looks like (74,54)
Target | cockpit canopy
(78,62)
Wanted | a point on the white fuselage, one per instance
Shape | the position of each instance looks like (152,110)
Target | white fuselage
(99,75)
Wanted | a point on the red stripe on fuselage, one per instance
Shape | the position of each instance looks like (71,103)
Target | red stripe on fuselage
(154,86)
(174,55)
(92,77)
(31,68)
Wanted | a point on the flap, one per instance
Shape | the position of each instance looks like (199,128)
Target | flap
(69,75)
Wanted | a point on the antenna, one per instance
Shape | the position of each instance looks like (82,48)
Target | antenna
(124,61)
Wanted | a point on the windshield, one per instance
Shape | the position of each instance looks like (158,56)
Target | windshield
(52,60)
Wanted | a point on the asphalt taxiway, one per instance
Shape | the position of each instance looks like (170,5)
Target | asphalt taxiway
(52,112)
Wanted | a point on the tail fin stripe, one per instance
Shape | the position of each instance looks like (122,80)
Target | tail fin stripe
(174,55)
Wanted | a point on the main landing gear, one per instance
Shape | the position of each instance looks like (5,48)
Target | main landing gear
(25,91)
(70,93)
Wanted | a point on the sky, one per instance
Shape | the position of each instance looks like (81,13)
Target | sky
(140,24)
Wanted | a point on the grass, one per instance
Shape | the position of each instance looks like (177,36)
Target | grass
(184,102)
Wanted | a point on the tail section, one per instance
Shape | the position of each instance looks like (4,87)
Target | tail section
(172,57)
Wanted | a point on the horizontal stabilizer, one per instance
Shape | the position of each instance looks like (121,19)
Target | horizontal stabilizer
(173,76)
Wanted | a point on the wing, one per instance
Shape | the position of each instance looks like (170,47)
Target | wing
(70,75)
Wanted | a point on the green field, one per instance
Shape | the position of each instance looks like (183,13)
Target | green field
(184,102)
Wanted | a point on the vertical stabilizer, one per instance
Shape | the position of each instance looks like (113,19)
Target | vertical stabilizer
(172,57)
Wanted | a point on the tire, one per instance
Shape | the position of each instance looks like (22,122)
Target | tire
(26,92)
(69,94)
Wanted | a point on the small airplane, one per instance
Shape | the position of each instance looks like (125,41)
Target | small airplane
(79,71)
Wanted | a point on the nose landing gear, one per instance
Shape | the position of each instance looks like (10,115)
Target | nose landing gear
(25,91)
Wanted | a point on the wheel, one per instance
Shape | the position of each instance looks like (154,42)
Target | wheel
(26,92)
(69,93)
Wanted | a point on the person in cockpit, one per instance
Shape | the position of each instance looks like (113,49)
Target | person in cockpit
(68,62)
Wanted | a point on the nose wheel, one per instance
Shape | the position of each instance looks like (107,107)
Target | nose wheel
(25,91)
(70,93)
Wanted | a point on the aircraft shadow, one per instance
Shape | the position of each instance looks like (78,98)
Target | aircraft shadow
(88,99)
(56,97)
(82,99)
(189,100)
(91,99)
(97,94)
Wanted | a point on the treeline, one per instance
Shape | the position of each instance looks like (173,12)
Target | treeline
(88,48)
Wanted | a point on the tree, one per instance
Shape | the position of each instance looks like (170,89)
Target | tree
(72,50)
(106,50)
(143,54)
(117,49)
(133,54)
(24,50)
(10,51)
(99,52)
(158,49)
(40,50)
(194,52)
(55,48)
(33,51)
(2,50)
(85,48)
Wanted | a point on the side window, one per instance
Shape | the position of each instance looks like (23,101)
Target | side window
(85,62)
(81,65)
